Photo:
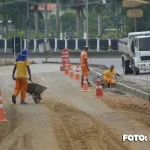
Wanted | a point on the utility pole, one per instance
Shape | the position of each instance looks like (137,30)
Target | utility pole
(87,32)
(116,13)
(57,19)
(27,25)
(46,23)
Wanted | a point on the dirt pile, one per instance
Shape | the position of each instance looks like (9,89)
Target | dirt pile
(76,130)
(131,106)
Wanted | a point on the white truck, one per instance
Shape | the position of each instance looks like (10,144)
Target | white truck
(136,52)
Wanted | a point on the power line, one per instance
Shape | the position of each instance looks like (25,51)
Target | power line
(10,2)
(70,5)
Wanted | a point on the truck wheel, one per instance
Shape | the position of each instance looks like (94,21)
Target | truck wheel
(126,68)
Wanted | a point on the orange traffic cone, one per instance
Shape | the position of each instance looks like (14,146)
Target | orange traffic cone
(70,66)
(66,73)
(71,73)
(85,85)
(2,114)
(99,90)
(77,75)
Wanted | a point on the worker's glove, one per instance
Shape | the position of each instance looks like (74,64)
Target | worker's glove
(30,79)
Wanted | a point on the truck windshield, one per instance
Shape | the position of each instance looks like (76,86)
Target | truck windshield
(144,44)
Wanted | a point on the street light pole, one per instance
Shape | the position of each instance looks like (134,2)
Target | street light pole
(27,26)
(46,22)
(87,32)
(116,12)
(58,19)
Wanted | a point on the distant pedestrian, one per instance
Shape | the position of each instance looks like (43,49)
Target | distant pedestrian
(22,67)
(84,65)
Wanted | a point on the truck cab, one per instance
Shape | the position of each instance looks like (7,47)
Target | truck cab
(136,52)
(141,49)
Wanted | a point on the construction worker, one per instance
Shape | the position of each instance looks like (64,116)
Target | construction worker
(22,67)
(84,66)
(109,76)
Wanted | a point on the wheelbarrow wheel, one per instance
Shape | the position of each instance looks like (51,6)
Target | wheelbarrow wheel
(37,98)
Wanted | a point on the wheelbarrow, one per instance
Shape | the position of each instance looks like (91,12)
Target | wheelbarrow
(35,90)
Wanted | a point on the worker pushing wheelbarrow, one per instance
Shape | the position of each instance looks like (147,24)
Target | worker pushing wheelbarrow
(22,68)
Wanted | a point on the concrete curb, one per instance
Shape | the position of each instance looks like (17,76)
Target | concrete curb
(54,62)
(120,86)
(132,91)
(127,89)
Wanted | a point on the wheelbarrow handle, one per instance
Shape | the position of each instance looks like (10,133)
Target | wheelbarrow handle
(31,81)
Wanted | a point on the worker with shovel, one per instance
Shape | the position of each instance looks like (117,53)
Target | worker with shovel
(22,67)
(109,76)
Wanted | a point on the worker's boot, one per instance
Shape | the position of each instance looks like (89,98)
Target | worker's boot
(14,99)
(23,102)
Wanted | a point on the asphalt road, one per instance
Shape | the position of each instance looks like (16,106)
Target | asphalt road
(68,118)
(104,61)
(107,61)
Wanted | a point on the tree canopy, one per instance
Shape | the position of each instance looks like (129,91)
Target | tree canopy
(16,11)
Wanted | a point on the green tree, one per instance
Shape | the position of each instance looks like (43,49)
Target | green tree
(58,7)
(79,6)
(37,16)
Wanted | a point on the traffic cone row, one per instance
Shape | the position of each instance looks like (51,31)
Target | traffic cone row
(71,73)
(2,113)
(77,74)
(68,71)
(64,56)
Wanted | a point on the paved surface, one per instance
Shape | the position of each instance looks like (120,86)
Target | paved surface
(116,61)
(104,61)
(68,119)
